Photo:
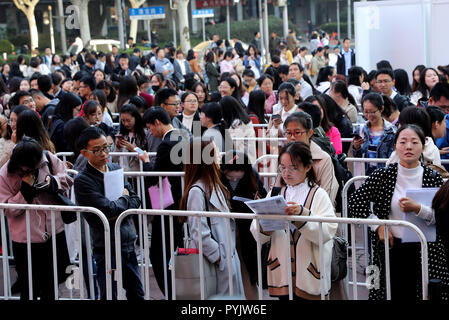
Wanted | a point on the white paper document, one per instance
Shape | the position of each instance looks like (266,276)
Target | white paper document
(423,196)
(271,205)
(113,184)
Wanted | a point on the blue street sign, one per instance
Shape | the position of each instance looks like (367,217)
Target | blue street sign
(147,13)
(203,13)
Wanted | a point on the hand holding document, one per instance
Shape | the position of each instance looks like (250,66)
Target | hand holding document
(271,205)
(113,184)
(423,196)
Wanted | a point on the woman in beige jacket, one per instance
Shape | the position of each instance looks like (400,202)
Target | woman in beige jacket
(310,274)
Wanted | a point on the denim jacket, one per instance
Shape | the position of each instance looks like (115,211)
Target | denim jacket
(385,146)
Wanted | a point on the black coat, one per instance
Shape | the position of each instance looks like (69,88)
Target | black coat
(245,239)
(89,191)
(379,188)
(163,162)
(341,64)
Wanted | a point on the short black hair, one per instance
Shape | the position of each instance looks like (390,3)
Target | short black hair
(163,94)
(386,71)
(124,56)
(15,100)
(88,134)
(89,81)
(249,73)
(44,82)
(156,113)
(91,61)
(79,75)
(283,69)
(288,87)
(55,78)
(383,64)
(136,50)
(440,89)
(275,59)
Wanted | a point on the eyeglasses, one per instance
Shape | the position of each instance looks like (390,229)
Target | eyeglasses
(369,113)
(291,169)
(296,133)
(173,104)
(190,101)
(224,87)
(383,81)
(97,153)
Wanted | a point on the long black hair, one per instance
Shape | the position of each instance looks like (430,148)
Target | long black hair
(256,104)
(139,126)
(232,110)
(30,124)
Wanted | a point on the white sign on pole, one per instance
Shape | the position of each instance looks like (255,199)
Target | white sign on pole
(203,13)
(147,13)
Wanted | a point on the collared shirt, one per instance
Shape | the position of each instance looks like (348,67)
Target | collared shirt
(348,61)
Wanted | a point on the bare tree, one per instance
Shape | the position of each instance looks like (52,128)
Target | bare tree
(27,7)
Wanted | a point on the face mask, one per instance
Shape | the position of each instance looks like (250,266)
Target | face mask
(155,88)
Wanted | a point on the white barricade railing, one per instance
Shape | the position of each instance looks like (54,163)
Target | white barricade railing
(55,208)
(228,216)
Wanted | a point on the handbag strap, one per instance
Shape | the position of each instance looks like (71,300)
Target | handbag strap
(50,166)
(207,209)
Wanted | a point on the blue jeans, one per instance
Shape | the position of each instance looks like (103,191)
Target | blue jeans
(130,274)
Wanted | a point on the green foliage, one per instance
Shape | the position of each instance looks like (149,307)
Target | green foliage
(13,57)
(6,46)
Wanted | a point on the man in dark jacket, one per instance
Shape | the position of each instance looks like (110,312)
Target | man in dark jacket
(90,191)
(346,58)
(168,158)
(44,106)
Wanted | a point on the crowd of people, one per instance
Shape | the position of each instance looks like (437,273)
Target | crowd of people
(95,103)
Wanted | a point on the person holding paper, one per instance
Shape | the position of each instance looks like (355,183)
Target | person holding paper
(304,198)
(90,192)
(168,158)
(386,189)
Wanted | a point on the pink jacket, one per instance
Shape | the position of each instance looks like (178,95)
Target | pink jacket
(335,138)
(40,221)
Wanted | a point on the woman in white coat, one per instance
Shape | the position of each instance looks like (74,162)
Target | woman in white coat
(204,191)
(304,198)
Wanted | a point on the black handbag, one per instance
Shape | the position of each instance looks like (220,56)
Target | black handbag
(67,216)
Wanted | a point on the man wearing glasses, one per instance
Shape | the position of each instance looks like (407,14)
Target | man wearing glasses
(168,99)
(385,83)
(89,191)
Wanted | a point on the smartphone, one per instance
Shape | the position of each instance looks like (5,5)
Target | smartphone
(42,185)
(119,136)
(138,150)
(275,116)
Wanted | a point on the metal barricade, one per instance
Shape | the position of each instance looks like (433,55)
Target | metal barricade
(53,209)
(228,216)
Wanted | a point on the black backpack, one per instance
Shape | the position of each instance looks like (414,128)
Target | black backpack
(343,175)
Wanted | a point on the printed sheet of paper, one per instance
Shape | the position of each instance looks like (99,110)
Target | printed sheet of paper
(423,196)
(113,184)
(271,205)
